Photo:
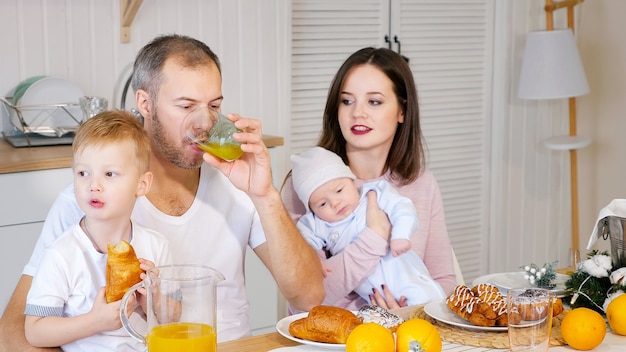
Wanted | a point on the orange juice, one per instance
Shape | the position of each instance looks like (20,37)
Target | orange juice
(226,151)
(188,337)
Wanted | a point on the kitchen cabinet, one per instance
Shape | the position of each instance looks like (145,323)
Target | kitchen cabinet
(25,200)
(448,45)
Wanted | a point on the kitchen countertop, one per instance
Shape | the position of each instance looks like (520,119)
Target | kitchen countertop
(58,156)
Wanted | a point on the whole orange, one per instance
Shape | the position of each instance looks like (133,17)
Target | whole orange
(583,328)
(370,337)
(420,330)
(616,314)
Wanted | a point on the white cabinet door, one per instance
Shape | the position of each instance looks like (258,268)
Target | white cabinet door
(18,243)
(25,200)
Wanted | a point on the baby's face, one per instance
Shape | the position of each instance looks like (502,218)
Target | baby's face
(335,199)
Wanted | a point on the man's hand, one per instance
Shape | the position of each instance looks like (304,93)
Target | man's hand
(252,172)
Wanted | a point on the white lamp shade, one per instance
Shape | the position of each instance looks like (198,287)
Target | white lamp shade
(552,68)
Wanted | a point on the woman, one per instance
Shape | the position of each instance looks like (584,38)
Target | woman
(371,120)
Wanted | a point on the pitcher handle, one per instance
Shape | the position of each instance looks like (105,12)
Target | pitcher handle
(124,314)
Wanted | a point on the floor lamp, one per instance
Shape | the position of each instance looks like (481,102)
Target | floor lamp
(552,69)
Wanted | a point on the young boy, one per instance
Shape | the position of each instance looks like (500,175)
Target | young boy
(66,304)
(336,215)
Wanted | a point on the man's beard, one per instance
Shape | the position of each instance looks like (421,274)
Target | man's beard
(170,150)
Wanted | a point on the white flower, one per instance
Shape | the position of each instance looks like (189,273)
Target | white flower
(598,266)
(533,270)
(618,276)
(611,297)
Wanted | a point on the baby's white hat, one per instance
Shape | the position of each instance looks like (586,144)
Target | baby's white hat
(313,168)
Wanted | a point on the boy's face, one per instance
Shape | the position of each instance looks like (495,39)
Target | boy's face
(334,200)
(107,180)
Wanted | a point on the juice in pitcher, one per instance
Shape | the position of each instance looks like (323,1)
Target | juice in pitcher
(189,337)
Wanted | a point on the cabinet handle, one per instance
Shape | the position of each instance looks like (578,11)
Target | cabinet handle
(388,42)
(395,39)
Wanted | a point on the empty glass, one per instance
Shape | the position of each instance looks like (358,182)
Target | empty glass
(213,133)
(92,106)
(530,319)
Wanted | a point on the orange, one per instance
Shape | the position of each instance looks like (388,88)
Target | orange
(370,337)
(616,314)
(420,330)
(583,328)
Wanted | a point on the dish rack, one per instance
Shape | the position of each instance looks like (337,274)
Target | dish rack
(29,134)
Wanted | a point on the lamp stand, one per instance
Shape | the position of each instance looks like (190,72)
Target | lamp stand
(550,7)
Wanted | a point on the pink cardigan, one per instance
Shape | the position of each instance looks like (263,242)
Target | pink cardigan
(360,258)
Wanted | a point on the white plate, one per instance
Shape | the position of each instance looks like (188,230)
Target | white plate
(283,328)
(507,281)
(47,91)
(438,310)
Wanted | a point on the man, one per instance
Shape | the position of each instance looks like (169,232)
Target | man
(209,213)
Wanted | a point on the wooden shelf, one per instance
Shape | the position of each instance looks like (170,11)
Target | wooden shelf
(56,157)
(128,10)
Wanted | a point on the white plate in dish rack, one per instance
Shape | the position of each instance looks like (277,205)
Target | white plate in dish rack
(439,311)
(283,328)
(49,91)
(507,281)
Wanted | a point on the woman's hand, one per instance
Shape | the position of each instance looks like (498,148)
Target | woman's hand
(386,300)
(377,220)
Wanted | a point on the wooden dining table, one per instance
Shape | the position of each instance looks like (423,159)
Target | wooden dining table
(273,340)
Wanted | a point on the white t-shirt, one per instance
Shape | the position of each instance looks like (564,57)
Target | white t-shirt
(215,231)
(70,274)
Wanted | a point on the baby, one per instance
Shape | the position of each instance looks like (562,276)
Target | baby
(336,215)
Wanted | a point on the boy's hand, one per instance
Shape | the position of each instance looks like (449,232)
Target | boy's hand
(145,265)
(107,315)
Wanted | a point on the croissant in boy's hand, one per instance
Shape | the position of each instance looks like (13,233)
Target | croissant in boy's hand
(122,270)
(325,324)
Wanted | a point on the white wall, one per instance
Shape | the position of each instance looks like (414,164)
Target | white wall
(80,40)
(602,113)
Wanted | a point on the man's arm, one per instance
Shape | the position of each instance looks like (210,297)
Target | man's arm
(12,336)
(291,260)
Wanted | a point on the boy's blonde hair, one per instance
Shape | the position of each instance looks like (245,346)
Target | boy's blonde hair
(111,127)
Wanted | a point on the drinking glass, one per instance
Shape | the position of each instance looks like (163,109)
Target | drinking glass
(92,106)
(213,133)
(530,319)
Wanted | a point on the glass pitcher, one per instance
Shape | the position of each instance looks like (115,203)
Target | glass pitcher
(181,308)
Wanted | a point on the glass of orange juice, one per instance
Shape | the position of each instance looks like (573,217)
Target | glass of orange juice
(213,133)
(181,308)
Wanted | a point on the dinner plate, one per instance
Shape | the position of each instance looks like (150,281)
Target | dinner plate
(439,311)
(283,328)
(507,281)
(41,118)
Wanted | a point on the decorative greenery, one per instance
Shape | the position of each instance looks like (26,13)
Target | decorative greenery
(541,277)
(595,282)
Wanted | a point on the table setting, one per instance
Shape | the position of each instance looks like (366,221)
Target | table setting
(456,333)
(583,309)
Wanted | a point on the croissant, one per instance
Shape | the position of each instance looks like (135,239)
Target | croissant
(471,308)
(325,324)
(122,270)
